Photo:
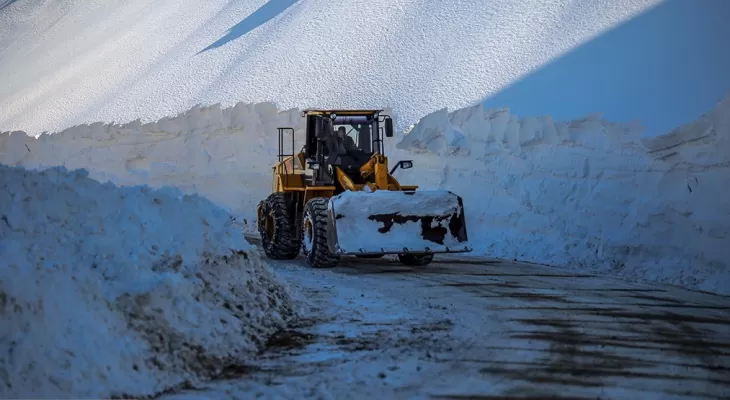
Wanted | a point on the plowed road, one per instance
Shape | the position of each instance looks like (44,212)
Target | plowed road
(488,329)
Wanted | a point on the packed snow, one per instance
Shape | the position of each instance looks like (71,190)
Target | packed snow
(86,61)
(108,291)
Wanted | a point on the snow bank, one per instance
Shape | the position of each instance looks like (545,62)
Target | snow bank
(224,154)
(107,291)
(587,193)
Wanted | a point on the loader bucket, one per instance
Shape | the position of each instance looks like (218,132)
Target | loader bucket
(393,222)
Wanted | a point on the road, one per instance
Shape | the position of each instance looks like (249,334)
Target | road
(484,329)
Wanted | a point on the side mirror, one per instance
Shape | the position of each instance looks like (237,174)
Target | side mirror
(388,127)
(404,164)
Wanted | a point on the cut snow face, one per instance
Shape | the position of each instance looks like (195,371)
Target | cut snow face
(224,154)
(585,194)
(123,291)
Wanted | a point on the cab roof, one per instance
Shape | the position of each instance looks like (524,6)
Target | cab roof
(322,111)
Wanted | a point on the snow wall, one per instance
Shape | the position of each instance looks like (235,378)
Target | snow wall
(587,193)
(224,154)
(108,291)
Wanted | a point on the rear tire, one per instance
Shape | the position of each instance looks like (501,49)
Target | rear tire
(314,235)
(277,229)
(415,260)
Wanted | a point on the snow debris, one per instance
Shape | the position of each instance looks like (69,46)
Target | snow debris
(108,291)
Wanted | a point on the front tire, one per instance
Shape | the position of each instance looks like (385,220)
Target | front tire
(415,260)
(314,235)
(277,228)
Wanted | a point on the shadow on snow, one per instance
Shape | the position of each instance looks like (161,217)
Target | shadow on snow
(665,67)
(259,17)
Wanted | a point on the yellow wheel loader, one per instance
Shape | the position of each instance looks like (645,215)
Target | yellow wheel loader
(336,197)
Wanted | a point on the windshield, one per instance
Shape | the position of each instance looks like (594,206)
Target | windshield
(360,134)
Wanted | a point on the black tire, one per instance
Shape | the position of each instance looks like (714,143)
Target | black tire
(314,235)
(415,260)
(282,242)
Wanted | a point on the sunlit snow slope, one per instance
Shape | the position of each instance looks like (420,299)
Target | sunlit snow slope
(72,61)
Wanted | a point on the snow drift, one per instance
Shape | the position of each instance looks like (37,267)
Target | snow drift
(586,194)
(108,291)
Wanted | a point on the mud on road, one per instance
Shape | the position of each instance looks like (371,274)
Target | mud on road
(471,328)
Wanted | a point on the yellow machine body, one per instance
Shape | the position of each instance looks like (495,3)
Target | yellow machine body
(334,208)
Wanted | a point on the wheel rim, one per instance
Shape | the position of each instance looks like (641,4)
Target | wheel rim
(307,234)
(269,226)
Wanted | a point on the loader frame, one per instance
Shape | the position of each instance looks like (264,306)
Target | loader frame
(296,215)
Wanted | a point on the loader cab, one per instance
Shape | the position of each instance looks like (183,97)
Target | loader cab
(325,147)
(365,127)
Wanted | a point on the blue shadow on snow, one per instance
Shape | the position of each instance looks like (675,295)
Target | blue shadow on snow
(259,17)
(5,3)
(665,68)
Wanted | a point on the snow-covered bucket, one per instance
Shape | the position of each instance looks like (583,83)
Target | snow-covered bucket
(395,222)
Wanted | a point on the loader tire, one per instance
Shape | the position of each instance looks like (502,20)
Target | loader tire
(278,230)
(314,235)
(415,260)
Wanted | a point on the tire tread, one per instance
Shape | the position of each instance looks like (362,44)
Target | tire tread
(285,245)
(320,256)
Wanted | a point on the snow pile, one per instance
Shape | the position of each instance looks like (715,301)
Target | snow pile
(588,193)
(224,154)
(68,62)
(107,291)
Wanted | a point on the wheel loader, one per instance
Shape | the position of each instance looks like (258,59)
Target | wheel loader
(336,197)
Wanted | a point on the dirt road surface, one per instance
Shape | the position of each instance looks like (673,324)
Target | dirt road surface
(487,329)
